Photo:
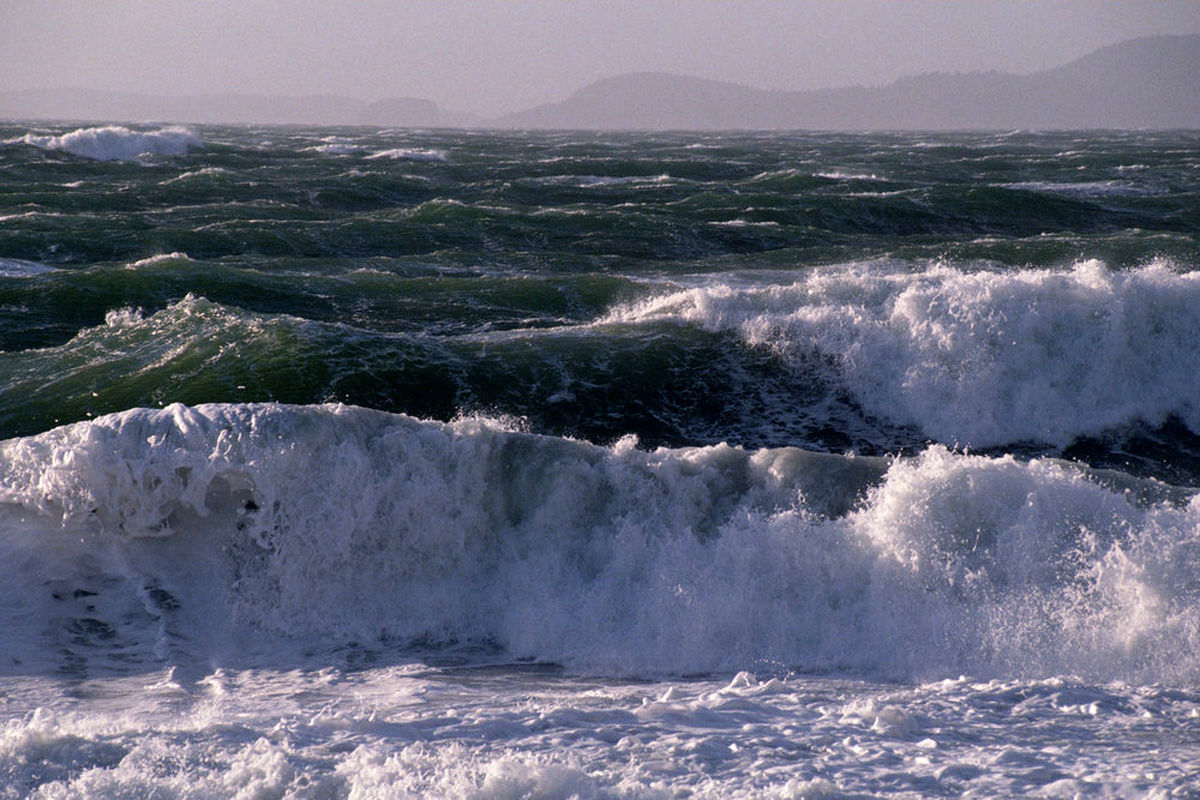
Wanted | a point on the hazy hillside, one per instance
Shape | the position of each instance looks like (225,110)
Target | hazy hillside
(1142,83)
(82,104)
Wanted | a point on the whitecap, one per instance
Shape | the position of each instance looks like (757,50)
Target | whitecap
(160,258)
(20,215)
(613,560)
(335,149)
(195,173)
(979,358)
(117,143)
(838,175)
(19,268)
(410,154)
(1113,188)
(738,222)
(593,181)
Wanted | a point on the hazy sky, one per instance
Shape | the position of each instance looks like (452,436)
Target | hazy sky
(492,57)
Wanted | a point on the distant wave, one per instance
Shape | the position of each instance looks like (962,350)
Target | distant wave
(19,268)
(116,143)
(593,181)
(411,154)
(193,530)
(837,175)
(161,258)
(977,358)
(336,146)
(206,172)
(1090,188)
(335,149)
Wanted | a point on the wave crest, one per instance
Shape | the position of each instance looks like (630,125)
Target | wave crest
(978,358)
(411,154)
(328,524)
(117,143)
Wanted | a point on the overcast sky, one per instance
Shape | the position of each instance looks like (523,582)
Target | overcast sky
(492,57)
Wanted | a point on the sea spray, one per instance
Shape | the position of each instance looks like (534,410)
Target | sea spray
(118,143)
(331,524)
(981,357)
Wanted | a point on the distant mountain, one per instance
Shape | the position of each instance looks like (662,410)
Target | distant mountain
(404,111)
(82,104)
(411,112)
(1141,83)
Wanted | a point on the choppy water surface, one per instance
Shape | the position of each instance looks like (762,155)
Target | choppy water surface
(366,463)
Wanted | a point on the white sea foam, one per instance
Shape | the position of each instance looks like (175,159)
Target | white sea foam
(1090,188)
(336,146)
(412,154)
(161,258)
(116,143)
(591,181)
(500,735)
(206,172)
(124,317)
(839,175)
(19,215)
(738,222)
(19,268)
(335,149)
(776,174)
(221,530)
(977,357)
(147,557)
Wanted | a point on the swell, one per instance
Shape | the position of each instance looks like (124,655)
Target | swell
(1087,362)
(283,193)
(663,383)
(258,534)
(48,307)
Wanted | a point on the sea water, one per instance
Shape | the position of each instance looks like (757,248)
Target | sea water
(349,463)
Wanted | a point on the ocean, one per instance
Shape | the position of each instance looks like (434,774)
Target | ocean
(369,463)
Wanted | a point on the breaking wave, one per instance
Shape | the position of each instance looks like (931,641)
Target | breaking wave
(117,143)
(239,531)
(978,358)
